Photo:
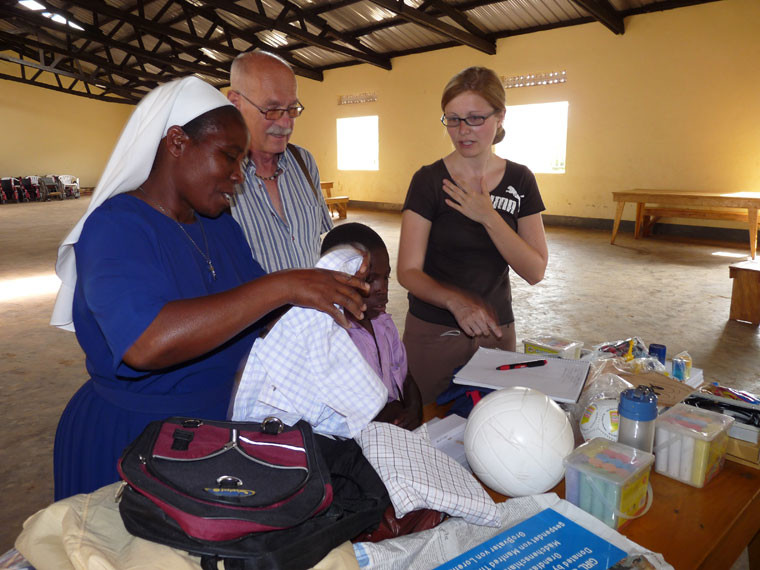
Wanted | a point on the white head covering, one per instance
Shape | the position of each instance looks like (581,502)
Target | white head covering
(174,103)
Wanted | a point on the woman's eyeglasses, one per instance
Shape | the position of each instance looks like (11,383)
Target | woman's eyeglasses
(471,120)
(273,114)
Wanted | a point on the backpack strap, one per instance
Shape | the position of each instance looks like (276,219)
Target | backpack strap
(299,159)
(212,563)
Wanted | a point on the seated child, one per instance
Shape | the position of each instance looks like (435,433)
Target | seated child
(307,368)
(376,336)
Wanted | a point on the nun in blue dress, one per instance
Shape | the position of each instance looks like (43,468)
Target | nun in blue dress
(159,283)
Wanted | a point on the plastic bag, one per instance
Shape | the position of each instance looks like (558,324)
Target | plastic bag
(627,349)
(595,414)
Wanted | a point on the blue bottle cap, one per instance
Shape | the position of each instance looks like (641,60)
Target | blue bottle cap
(638,404)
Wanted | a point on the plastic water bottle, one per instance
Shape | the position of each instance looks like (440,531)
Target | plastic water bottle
(638,412)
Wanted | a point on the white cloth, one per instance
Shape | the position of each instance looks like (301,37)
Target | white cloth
(173,103)
(419,476)
(307,367)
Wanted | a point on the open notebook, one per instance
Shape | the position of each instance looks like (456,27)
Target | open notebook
(560,379)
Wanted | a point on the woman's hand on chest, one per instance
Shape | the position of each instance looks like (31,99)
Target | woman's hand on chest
(471,200)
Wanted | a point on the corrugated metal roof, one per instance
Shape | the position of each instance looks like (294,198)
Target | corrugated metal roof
(116,50)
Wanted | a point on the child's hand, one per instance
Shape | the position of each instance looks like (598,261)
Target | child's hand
(390,413)
(408,419)
(395,413)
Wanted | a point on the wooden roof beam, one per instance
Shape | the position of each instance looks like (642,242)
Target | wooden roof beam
(299,33)
(141,55)
(422,19)
(603,11)
(59,72)
(102,63)
(457,15)
(139,24)
(328,30)
(231,31)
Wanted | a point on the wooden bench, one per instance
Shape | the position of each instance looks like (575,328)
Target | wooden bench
(745,292)
(694,205)
(336,204)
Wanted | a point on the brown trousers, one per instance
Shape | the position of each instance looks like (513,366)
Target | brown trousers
(433,351)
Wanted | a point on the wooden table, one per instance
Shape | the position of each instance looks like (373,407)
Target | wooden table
(694,205)
(694,529)
(336,204)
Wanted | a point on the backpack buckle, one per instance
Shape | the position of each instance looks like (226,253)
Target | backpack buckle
(272,425)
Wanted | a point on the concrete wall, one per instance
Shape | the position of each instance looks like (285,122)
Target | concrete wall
(674,103)
(48,132)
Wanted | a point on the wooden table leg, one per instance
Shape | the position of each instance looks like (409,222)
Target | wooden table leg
(754,553)
(616,225)
(639,219)
(752,218)
(648,224)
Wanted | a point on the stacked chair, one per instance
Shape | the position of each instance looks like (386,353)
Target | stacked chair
(38,188)
(51,187)
(12,190)
(69,185)
(32,186)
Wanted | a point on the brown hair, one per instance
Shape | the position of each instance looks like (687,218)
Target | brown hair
(482,81)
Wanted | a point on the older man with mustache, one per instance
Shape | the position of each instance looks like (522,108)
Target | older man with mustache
(279,205)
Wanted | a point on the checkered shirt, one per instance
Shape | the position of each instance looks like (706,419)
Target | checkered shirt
(307,367)
(419,476)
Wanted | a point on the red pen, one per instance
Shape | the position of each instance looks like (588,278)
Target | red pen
(529,364)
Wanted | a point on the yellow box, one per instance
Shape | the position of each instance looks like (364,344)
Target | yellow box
(690,444)
(609,480)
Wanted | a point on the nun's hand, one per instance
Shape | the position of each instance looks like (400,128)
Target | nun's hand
(323,289)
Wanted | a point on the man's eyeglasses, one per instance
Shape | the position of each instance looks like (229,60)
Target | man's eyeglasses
(273,114)
(471,120)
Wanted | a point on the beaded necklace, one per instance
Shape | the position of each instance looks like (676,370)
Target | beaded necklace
(273,177)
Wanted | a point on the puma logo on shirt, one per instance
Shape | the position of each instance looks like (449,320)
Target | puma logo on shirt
(509,204)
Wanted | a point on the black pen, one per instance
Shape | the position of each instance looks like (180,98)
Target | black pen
(529,364)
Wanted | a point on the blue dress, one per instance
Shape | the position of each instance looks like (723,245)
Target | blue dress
(132,260)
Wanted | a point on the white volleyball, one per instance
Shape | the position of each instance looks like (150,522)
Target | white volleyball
(515,441)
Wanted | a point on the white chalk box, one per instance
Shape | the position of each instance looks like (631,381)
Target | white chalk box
(690,444)
(609,480)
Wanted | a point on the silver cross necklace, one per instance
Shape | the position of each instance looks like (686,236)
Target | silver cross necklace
(205,256)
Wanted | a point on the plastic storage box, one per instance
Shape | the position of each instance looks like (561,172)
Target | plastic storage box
(690,444)
(609,480)
(546,344)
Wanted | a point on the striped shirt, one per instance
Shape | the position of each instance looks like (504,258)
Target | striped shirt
(278,244)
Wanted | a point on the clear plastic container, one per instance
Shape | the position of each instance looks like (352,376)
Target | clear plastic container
(609,480)
(637,412)
(547,344)
(690,444)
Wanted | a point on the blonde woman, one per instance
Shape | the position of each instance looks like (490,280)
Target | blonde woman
(468,218)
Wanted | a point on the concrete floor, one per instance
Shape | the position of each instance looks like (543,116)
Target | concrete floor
(663,291)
